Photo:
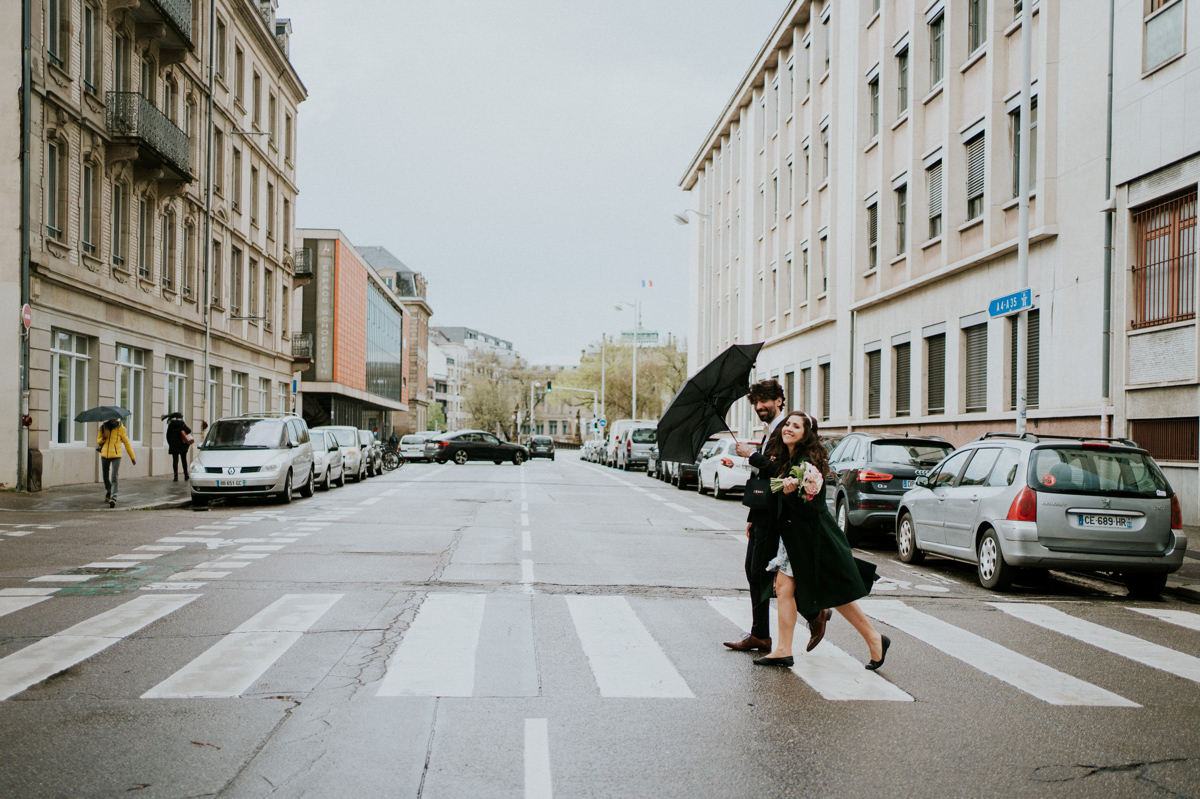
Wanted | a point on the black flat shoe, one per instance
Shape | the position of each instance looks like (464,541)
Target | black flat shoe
(875,664)
(786,662)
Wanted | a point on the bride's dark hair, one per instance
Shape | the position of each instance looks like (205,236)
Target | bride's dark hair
(808,449)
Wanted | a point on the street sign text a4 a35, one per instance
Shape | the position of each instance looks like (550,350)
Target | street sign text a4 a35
(1010,304)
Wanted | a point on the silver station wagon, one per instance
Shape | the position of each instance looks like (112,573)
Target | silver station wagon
(254,454)
(1007,502)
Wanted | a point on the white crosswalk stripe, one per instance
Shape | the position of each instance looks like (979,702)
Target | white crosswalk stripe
(11,604)
(49,656)
(1019,671)
(1119,643)
(437,655)
(626,660)
(1181,617)
(233,664)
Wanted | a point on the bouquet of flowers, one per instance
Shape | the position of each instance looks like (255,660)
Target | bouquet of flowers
(808,475)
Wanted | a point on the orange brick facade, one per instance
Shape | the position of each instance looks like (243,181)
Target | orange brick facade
(350,320)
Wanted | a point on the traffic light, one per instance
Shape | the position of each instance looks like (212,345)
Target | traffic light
(549,388)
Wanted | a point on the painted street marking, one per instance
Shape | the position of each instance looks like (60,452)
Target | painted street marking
(28,591)
(281,539)
(1025,674)
(421,666)
(187,540)
(679,508)
(626,661)
(172,586)
(537,760)
(261,548)
(242,555)
(657,498)
(224,564)
(1127,646)
(709,523)
(61,651)
(527,575)
(194,574)
(828,670)
(524,519)
(152,548)
(135,557)
(106,564)
(370,501)
(524,507)
(63,578)
(1181,617)
(232,665)
(11,604)
(526,541)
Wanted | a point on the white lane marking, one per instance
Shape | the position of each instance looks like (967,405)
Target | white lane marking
(625,659)
(261,548)
(135,557)
(640,489)
(243,555)
(709,523)
(1181,617)
(28,591)
(282,539)
(172,586)
(224,564)
(196,574)
(830,671)
(657,498)
(679,508)
(1026,674)
(527,575)
(61,651)
(63,578)
(437,655)
(174,539)
(524,519)
(108,564)
(526,541)
(524,507)
(537,760)
(153,548)
(1119,643)
(11,604)
(370,500)
(232,665)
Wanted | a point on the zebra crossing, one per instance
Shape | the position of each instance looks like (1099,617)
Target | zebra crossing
(460,644)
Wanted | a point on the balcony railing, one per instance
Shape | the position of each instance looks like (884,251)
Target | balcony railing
(302,345)
(131,115)
(303,258)
(178,12)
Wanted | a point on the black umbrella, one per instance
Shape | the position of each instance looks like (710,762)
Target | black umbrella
(102,413)
(699,408)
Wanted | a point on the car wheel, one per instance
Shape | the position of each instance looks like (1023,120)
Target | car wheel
(700,489)
(993,571)
(309,487)
(718,492)
(341,481)
(852,533)
(518,458)
(906,540)
(285,496)
(461,457)
(1144,585)
(682,484)
(328,481)
(199,501)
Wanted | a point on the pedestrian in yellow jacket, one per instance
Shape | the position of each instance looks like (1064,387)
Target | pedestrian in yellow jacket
(109,439)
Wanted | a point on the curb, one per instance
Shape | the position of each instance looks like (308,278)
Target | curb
(1191,592)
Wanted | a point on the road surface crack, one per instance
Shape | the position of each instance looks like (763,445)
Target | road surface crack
(1137,769)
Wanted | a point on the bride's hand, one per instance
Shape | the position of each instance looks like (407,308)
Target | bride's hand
(790,484)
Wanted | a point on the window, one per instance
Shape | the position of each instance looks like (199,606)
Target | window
(236,183)
(270,211)
(273,119)
(214,392)
(791,284)
(762,122)
(902,220)
(791,79)
(256,100)
(872,236)
(980,467)
(143,238)
(933,176)
(287,137)
(977,23)
(131,388)
(237,394)
(1164,32)
(120,223)
(239,74)
(777,104)
(177,397)
(58,23)
(824,264)
(775,196)
(69,389)
(1164,275)
(804,264)
(168,250)
(948,472)
(806,390)
(92,65)
(284,398)
(1005,469)
(825,391)
(937,44)
(287,225)
(252,279)
(220,48)
(825,152)
(807,169)
(807,67)
(1032,353)
(218,154)
(146,86)
(284,304)
(235,281)
(1015,118)
(56,190)
(90,211)
(976,165)
(189,260)
(873,362)
(268,298)
(264,395)
(873,94)
(903,371)
(120,63)
(975,346)
(171,101)
(553,427)
(216,276)
(828,40)
(902,81)
(935,375)
(254,195)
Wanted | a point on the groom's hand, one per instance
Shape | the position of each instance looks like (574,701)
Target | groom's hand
(748,530)
(745,450)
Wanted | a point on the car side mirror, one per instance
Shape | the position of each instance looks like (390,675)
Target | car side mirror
(333,448)
(922,481)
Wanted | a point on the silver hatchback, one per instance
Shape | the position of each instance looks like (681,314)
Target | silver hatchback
(1006,502)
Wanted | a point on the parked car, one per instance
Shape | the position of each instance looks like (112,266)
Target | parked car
(684,474)
(613,437)
(327,460)
(652,462)
(722,470)
(412,446)
(634,446)
(354,462)
(1006,502)
(373,450)
(589,450)
(475,445)
(871,473)
(541,447)
(253,455)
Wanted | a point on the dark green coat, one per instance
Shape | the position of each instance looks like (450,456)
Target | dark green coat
(827,574)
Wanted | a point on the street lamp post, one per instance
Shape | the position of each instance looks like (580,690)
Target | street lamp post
(637,329)
(532,386)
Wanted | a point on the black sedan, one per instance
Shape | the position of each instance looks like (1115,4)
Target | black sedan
(541,447)
(474,445)
(872,473)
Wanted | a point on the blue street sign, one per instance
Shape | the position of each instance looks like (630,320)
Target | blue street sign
(602,422)
(1010,304)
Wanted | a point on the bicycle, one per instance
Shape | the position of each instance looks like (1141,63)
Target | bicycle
(392,459)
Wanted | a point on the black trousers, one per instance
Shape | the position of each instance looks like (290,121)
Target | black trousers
(760,549)
(176,459)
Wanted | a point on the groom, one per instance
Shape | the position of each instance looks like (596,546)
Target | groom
(762,539)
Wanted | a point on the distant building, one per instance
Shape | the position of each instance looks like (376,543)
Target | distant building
(477,341)
(353,336)
(457,357)
(439,384)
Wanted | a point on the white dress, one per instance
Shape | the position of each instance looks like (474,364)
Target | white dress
(780,562)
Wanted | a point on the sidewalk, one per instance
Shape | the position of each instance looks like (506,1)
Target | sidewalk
(137,493)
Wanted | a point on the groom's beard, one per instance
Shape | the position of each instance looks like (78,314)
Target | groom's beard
(767,414)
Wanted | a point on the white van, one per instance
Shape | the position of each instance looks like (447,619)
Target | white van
(613,436)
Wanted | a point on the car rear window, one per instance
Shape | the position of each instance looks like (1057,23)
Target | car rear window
(346,436)
(413,440)
(1079,470)
(646,435)
(543,440)
(924,456)
(246,434)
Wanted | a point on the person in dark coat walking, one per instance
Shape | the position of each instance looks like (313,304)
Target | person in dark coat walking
(177,444)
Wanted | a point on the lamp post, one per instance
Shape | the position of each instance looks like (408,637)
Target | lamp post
(637,328)
(532,386)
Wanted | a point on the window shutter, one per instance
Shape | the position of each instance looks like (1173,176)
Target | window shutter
(1031,362)
(975,167)
(789,388)
(872,224)
(873,384)
(935,190)
(903,380)
(936,388)
(976,344)
(806,388)
(825,392)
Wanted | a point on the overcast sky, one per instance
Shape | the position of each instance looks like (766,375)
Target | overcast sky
(524,155)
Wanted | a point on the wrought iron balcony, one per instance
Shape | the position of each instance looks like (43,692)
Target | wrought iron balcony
(303,259)
(174,15)
(302,345)
(132,117)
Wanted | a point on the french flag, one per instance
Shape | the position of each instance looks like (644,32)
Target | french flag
(647,283)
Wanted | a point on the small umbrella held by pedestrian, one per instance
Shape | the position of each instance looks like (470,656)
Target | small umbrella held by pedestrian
(102,413)
(698,410)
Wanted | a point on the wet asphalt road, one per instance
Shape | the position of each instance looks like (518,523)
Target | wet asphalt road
(550,630)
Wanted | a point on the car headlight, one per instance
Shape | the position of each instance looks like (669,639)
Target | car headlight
(197,467)
(272,466)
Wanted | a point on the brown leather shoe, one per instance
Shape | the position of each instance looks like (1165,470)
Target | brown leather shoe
(816,629)
(750,642)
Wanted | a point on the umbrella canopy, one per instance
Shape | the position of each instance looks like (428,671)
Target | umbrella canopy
(102,413)
(699,408)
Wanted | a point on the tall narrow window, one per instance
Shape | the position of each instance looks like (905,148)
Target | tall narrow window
(1163,33)
(806,391)
(903,378)
(791,188)
(120,63)
(218,154)
(872,236)
(937,45)
(825,152)
(88,213)
(902,220)
(235,183)
(975,176)
(235,281)
(143,238)
(189,260)
(826,391)
(1164,272)
(762,122)
(807,67)
(273,119)
(790,298)
(253,195)
(775,197)
(171,101)
(873,387)
(873,95)
(237,393)
(778,105)
(824,264)
(256,100)
(177,397)
(1032,353)
(933,177)
(977,23)
(69,359)
(284,397)
(935,374)
(120,222)
(791,79)
(168,250)
(130,390)
(902,81)
(58,20)
(807,169)
(91,49)
(216,277)
(252,278)
(268,299)
(828,41)
(220,48)
(975,345)
(789,392)
(287,226)
(147,88)
(804,271)
(239,74)
(287,137)
(270,219)
(214,392)
(264,395)
(1015,118)
(56,190)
